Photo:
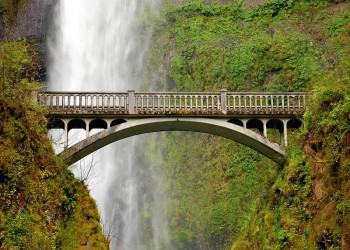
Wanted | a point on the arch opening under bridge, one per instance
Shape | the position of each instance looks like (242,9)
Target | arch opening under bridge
(118,129)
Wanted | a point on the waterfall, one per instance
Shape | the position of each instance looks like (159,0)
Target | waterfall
(96,46)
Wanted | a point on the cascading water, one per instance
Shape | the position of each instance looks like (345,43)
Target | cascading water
(95,47)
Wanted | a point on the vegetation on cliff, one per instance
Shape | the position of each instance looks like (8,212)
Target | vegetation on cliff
(42,205)
(221,193)
(309,205)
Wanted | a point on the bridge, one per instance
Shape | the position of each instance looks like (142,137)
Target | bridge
(232,115)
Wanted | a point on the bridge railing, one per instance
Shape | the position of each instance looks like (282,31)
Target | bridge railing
(173,103)
(181,103)
(256,103)
(84,102)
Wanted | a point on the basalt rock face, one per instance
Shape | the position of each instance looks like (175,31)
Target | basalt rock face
(30,21)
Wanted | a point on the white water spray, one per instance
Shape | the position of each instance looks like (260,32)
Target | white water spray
(96,47)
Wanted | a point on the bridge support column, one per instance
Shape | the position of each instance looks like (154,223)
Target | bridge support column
(65,121)
(244,123)
(285,132)
(87,127)
(223,93)
(264,121)
(108,121)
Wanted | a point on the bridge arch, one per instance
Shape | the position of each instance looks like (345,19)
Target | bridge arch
(132,127)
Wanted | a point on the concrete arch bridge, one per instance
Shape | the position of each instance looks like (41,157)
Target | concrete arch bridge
(122,115)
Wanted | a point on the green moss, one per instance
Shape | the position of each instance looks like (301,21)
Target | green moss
(226,50)
(223,192)
(11,7)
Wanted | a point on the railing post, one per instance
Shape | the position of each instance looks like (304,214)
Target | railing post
(131,97)
(223,93)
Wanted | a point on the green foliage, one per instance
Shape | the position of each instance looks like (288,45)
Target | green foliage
(226,49)
(318,162)
(339,22)
(39,197)
(211,185)
(278,46)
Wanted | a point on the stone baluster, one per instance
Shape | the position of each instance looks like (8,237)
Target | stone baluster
(240,103)
(63,102)
(147,102)
(80,102)
(151,102)
(207,102)
(69,97)
(180,102)
(256,103)
(158,103)
(235,101)
(185,102)
(74,102)
(114,101)
(103,104)
(142,102)
(51,101)
(97,102)
(271,103)
(169,102)
(250,102)
(87,101)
